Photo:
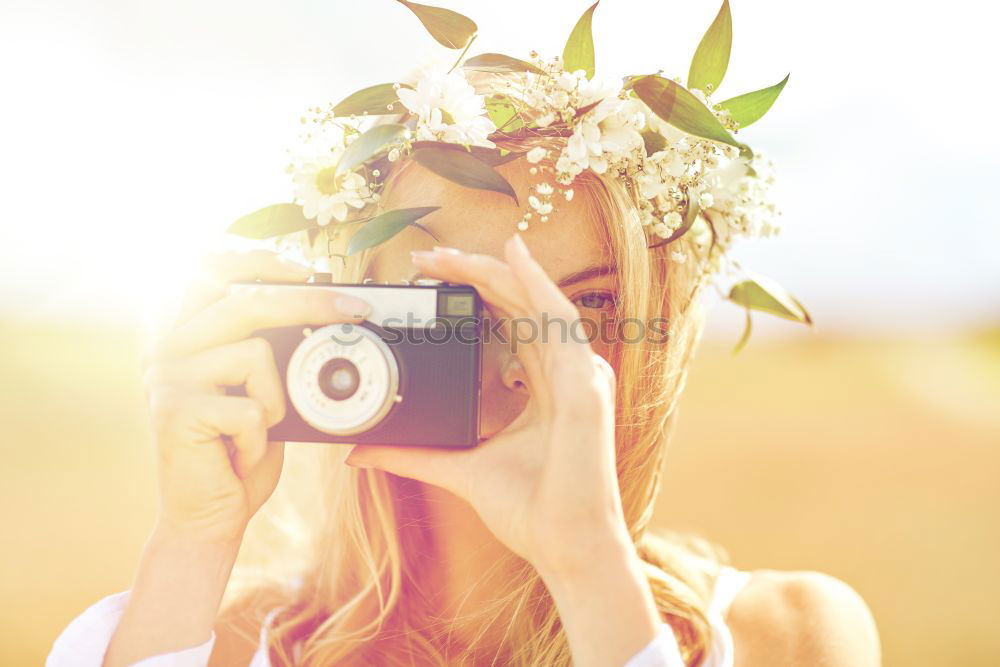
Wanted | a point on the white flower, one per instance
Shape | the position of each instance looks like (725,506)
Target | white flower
(447,107)
(536,155)
(324,194)
(673,220)
(607,133)
(726,182)
(559,99)
(567,81)
(678,256)
(543,189)
(705,200)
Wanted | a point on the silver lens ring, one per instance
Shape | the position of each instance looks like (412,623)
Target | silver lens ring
(377,384)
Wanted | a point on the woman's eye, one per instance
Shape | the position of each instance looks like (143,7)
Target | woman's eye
(595,300)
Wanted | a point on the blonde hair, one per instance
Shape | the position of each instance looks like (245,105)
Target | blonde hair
(353,538)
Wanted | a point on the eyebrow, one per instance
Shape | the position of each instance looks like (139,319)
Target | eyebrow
(593,271)
(589,272)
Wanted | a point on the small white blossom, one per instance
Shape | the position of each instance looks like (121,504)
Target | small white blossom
(673,220)
(536,155)
(559,99)
(545,119)
(567,81)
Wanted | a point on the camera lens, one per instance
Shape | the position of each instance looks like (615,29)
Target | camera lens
(339,379)
(343,387)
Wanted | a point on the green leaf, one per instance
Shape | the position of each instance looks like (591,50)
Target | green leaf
(630,79)
(374,100)
(503,113)
(459,166)
(579,50)
(679,107)
(654,142)
(711,59)
(498,62)
(449,28)
(383,227)
(747,328)
(765,295)
(751,107)
(368,144)
(490,156)
(271,221)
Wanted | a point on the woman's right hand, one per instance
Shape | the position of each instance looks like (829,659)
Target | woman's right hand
(215,465)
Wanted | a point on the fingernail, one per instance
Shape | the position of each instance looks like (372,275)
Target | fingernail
(352,306)
(444,249)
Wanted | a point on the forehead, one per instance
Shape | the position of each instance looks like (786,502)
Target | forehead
(480,221)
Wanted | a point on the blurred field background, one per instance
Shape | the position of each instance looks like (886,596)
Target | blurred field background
(134,132)
(875,460)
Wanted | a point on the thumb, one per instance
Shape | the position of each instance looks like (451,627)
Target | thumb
(264,476)
(445,468)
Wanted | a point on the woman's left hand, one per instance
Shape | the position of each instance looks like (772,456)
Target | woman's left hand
(546,485)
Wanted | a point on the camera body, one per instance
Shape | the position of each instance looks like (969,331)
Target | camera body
(409,374)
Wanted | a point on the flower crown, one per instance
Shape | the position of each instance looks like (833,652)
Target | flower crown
(672,146)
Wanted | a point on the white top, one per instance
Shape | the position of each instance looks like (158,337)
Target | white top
(85,640)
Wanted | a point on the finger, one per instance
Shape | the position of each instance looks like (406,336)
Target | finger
(558,353)
(263,477)
(219,269)
(247,362)
(496,283)
(443,468)
(209,420)
(257,307)
(491,277)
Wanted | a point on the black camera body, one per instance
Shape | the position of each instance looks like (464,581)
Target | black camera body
(409,374)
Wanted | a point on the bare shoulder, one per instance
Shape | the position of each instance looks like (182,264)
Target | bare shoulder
(802,618)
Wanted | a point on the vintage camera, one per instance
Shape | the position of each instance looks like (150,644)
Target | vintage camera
(409,374)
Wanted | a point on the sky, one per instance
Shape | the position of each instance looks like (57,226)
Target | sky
(133,133)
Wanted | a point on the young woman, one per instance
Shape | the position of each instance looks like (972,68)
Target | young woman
(533,548)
